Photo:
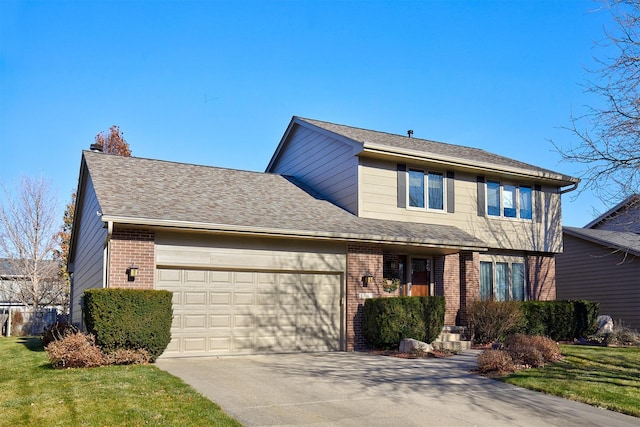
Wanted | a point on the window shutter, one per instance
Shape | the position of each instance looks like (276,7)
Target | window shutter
(402,185)
(451,196)
(481,197)
(538,203)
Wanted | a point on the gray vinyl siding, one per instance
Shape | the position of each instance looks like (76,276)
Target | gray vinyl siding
(88,263)
(379,199)
(327,165)
(590,271)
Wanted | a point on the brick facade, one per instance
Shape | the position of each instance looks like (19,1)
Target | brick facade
(362,259)
(542,277)
(131,246)
(469,283)
(447,283)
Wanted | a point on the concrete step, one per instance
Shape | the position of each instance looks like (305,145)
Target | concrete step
(452,345)
(453,338)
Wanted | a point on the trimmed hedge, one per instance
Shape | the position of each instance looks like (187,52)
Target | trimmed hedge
(559,320)
(388,320)
(129,319)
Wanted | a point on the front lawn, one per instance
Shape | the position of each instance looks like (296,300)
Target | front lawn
(32,393)
(600,376)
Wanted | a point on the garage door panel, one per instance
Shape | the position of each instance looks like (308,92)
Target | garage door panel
(244,298)
(220,321)
(243,277)
(221,277)
(219,344)
(195,276)
(197,299)
(220,298)
(239,312)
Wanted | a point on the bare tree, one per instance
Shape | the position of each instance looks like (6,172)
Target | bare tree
(608,135)
(27,239)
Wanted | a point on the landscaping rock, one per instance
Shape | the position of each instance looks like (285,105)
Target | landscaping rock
(605,324)
(409,345)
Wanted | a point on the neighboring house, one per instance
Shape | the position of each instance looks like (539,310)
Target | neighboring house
(284,260)
(601,262)
(14,292)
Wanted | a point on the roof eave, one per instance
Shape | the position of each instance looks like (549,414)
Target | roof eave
(476,165)
(289,233)
(601,242)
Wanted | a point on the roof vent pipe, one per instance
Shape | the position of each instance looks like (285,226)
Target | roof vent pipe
(409,133)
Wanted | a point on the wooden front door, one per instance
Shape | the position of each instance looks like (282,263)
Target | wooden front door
(420,277)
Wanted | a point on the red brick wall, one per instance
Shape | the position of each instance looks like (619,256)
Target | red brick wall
(469,283)
(542,277)
(129,246)
(361,259)
(447,283)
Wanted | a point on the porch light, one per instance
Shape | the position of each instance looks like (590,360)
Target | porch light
(132,272)
(366,280)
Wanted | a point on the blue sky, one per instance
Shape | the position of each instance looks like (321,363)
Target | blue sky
(216,83)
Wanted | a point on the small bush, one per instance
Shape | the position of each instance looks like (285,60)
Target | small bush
(492,321)
(388,320)
(621,335)
(128,357)
(495,361)
(75,351)
(56,332)
(531,350)
(129,319)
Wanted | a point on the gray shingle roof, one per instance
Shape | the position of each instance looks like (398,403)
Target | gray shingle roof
(619,240)
(432,148)
(155,191)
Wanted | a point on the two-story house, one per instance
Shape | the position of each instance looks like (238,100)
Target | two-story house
(283,261)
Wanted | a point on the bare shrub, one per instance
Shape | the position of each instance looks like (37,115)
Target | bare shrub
(128,357)
(57,331)
(495,361)
(75,351)
(492,321)
(531,350)
(621,336)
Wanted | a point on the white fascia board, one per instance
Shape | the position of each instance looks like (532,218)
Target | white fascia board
(455,161)
(296,234)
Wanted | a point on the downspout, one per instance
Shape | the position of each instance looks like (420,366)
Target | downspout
(105,256)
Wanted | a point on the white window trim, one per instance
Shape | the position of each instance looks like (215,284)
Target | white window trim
(501,185)
(426,173)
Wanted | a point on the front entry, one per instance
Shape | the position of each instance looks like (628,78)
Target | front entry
(420,276)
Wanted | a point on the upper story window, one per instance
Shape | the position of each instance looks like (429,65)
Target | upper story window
(426,189)
(509,200)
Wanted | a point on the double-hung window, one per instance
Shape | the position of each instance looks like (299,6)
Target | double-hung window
(509,200)
(426,190)
(502,281)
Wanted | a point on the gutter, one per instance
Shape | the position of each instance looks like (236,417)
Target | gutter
(573,187)
(455,161)
(275,232)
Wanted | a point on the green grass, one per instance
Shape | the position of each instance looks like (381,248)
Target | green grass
(600,376)
(32,393)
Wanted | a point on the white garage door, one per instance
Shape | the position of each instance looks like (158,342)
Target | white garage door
(240,312)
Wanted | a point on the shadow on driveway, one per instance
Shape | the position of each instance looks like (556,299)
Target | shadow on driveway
(354,389)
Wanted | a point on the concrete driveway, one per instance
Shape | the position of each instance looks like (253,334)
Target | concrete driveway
(359,389)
